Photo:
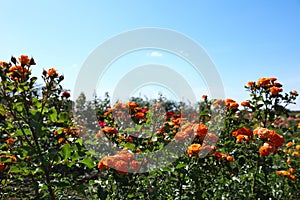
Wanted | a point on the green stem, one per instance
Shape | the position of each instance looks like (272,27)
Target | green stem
(254,180)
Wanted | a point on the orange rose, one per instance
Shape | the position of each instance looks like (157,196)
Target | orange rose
(242,131)
(263,82)
(272,79)
(298,147)
(229,101)
(289,144)
(181,136)
(219,103)
(292,170)
(105,162)
(200,130)
(231,104)
(275,90)
(135,165)
(229,158)
(262,133)
(286,174)
(292,177)
(204,97)
(194,149)
(282,172)
(126,156)
(24,60)
(296,153)
(294,92)
(98,135)
(138,150)
(60,140)
(245,104)
(109,130)
(132,104)
(276,139)
(276,84)
(250,84)
(210,139)
(2,165)
(121,166)
(220,155)
(10,140)
(266,149)
(241,138)
(52,72)
(140,115)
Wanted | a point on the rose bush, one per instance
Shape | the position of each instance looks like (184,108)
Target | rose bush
(53,148)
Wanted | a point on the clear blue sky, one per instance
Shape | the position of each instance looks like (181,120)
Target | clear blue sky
(245,39)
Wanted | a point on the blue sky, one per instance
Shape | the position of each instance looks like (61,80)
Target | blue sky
(245,39)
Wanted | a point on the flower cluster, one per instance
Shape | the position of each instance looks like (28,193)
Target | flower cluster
(242,134)
(18,70)
(220,155)
(7,160)
(185,132)
(202,135)
(123,161)
(288,174)
(268,84)
(231,104)
(273,140)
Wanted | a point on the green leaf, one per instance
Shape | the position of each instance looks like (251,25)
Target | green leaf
(14,169)
(181,165)
(87,161)
(129,145)
(35,114)
(130,130)
(2,110)
(63,117)
(79,141)
(53,114)
(66,151)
